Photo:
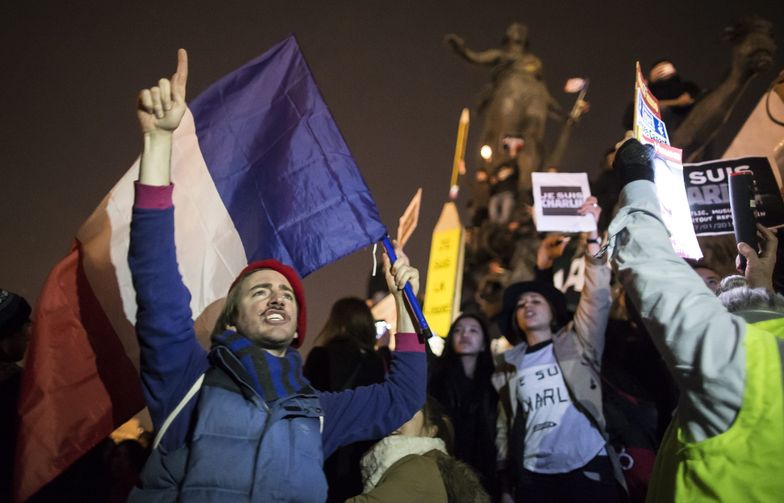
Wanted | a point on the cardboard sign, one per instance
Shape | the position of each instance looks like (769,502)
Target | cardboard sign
(444,271)
(648,121)
(649,128)
(707,188)
(410,219)
(557,197)
(674,205)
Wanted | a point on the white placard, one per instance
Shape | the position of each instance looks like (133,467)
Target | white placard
(557,196)
(674,206)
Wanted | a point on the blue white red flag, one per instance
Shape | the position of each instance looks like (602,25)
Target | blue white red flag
(261,171)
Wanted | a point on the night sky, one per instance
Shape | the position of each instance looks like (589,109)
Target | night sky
(72,71)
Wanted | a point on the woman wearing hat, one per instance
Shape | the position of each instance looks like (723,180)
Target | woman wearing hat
(552,430)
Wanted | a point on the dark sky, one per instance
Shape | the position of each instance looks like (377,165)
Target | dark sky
(72,70)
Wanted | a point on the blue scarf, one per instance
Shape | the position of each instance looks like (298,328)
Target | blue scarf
(272,377)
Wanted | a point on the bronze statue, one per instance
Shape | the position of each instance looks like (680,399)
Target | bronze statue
(516,101)
(752,53)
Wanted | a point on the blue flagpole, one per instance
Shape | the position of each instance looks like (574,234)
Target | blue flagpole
(423,329)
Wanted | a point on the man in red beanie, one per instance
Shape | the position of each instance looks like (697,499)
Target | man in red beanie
(241,422)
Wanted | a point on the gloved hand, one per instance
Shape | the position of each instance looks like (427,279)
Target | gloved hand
(634,161)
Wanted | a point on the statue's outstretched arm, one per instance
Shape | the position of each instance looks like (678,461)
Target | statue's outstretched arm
(488,57)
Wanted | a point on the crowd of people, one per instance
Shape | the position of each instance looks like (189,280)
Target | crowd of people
(662,381)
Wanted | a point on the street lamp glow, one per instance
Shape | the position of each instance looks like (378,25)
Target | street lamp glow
(486,152)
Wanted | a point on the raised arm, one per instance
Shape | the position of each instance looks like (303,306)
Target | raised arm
(371,412)
(397,275)
(488,57)
(171,358)
(700,342)
(160,111)
(590,319)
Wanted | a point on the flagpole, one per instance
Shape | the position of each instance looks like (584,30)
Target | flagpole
(423,329)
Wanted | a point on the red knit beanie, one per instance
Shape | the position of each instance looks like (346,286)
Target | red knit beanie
(296,284)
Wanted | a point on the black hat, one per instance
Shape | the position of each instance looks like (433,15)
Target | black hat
(14,312)
(554,297)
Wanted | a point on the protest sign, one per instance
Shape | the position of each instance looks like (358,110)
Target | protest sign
(707,189)
(674,204)
(444,271)
(668,171)
(557,197)
(409,220)
(648,123)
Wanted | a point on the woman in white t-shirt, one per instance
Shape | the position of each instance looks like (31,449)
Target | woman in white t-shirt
(551,438)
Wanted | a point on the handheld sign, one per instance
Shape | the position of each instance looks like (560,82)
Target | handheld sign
(445,271)
(709,195)
(557,196)
(410,219)
(648,123)
(668,170)
(386,309)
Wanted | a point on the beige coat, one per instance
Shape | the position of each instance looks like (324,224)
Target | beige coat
(578,348)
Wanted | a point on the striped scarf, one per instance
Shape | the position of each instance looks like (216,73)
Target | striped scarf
(272,377)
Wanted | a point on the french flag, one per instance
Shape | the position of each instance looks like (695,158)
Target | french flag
(261,171)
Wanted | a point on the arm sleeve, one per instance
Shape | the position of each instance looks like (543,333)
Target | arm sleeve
(593,309)
(171,358)
(501,436)
(700,342)
(372,412)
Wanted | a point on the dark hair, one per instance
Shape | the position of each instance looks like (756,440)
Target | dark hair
(435,415)
(350,318)
(228,314)
(484,360)
(518,335)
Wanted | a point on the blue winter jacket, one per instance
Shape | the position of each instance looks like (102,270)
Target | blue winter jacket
(221,446)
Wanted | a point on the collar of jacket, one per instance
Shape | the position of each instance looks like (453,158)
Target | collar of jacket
(258,372)
(389,451)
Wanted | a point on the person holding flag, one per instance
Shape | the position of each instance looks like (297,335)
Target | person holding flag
(240,422)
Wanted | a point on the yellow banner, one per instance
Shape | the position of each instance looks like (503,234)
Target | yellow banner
(444,271)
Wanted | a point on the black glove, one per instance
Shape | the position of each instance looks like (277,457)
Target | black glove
(633,161)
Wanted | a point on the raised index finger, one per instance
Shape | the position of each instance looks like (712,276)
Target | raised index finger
(180,78)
